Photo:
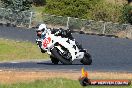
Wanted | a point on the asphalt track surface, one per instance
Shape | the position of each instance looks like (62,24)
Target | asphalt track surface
(109,54)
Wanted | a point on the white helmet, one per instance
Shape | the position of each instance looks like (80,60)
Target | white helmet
(41,27)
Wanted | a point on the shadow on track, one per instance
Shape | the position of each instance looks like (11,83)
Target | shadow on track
(76,62)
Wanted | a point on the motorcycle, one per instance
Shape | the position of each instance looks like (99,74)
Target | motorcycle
(64,48)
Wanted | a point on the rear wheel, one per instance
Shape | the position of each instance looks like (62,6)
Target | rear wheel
(87,60)
(62,57)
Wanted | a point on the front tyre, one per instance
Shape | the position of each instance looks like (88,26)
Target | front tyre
(63,60)
(54,60)
(87,59)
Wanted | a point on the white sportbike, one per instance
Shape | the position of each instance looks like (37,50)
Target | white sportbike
(64,49)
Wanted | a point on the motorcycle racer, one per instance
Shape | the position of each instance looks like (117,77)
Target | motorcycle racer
(42,30)
(41,33)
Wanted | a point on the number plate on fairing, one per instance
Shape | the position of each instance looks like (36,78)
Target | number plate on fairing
(46,41)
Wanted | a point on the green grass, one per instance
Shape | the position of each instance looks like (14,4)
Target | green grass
(55,83)
(12,50)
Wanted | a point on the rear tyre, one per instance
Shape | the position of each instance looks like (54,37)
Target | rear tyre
(54,60)
(63,60)
(87,60)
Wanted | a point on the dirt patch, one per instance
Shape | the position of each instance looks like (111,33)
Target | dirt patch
(117,1)
(10,77)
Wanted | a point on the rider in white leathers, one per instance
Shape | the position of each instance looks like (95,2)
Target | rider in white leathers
(42,30)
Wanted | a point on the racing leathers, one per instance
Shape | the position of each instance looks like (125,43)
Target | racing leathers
(57,32)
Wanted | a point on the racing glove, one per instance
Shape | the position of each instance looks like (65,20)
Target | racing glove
(57,33)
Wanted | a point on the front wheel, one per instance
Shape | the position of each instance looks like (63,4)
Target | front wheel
(60,57)
(54,60)
(87,59)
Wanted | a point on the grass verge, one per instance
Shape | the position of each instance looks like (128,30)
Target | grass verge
(55,83)
(20,76)
(12,50)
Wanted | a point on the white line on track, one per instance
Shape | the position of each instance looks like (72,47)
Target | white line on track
(14,62)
